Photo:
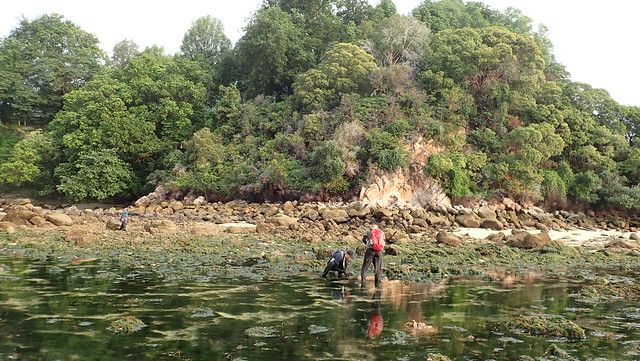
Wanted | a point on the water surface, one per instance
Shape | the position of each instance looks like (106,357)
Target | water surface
(64,311)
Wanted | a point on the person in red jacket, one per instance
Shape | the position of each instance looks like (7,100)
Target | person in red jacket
(373,238)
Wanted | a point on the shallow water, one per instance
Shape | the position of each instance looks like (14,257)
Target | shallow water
(64,311)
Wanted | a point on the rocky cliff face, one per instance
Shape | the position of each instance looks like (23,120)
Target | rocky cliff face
(407,187)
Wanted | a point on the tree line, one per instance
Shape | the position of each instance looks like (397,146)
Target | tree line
(315,98)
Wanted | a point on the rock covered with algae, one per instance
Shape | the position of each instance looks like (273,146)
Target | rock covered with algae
(437,357)
(547,326)
(126,325)
(261,331)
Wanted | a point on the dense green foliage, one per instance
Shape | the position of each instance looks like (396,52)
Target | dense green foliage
(316,97)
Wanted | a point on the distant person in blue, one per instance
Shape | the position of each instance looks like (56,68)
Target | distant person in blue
(124,217)
(339,262)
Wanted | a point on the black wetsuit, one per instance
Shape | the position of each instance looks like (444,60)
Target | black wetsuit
(338,263)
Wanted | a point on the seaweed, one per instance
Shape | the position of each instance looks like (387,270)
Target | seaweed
(547,326)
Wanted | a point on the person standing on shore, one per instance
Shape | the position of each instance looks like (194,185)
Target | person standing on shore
(373,238)
(124,217)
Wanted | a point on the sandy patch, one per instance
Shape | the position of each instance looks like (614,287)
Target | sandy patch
(237,224)
(575,238)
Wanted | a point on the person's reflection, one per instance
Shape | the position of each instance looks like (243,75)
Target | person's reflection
(339,293)
(375,322)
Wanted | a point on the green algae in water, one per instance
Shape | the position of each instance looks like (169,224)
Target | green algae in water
(126,325)
(437,357)
(261,331)
(297,318)
(547,326)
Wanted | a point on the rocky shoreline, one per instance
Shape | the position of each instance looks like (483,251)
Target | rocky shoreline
(315,222)
(263,241)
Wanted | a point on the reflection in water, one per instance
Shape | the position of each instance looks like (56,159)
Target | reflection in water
(375,323)
(66,312)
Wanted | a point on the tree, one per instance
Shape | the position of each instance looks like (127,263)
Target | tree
(631,119)
(502,70)
(99,116)
(398,39)
(124,51)
(165,91)
(385,9)
(31,161)
(40,62)
(354,11)
(452,14)
(528,148)
(327,164)
(97,175)
(343,70)
(271,53)
(205,41)
(140,112)
(319,22)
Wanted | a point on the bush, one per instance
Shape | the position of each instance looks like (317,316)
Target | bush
(390,160)
(398,128)
(460,183)
(327,162)
(553,185)
(438,166)
(585,186)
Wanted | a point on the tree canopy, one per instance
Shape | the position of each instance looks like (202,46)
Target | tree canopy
(315,98)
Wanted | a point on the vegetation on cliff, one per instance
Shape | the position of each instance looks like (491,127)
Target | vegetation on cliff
(314,99)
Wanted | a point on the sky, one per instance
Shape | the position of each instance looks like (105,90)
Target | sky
(597,41)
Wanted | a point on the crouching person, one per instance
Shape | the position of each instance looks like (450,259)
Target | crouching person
(339,262)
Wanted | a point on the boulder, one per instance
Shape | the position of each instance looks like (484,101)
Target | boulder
(634,237)
(497,237)
(205,230)
(419,213)
(264,227)
(439,222)
(162,227)
(282,220)
(469,220)
(336,215)
(542,227)
(112,224)
(18,216)
(79,238)
(622,245)
(509,204)
(311,214)
(529,240)
(384,212)
(447,238)
(487,213)
(492,224)
(37,220)
(7,227)
(289,207)
(393,250)
(237,229)
(59,219)
(176,206)
(199,201)
(143,201)
(420,223)
(360,213)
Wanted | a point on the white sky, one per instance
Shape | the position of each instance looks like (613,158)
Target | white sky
(596,40)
